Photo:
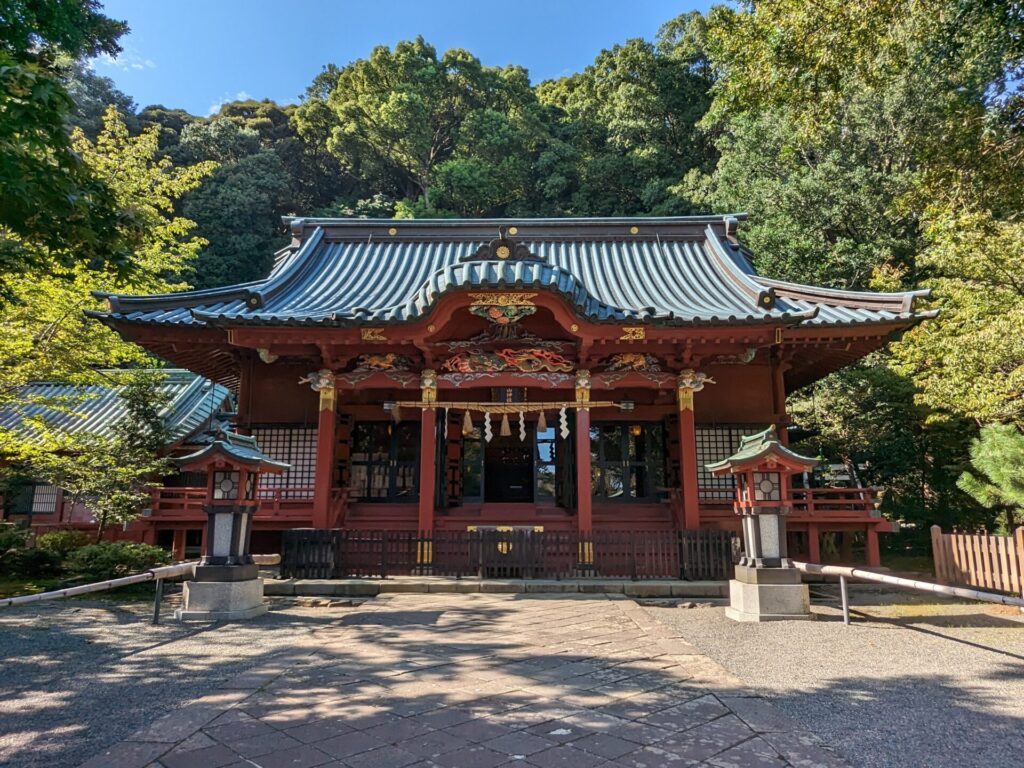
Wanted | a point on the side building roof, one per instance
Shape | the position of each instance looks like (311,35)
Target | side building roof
(195,404)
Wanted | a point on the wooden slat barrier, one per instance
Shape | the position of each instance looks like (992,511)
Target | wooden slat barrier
(308,553)
(980,559)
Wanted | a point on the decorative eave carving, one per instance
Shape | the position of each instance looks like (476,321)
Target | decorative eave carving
(502,248)
(687,382)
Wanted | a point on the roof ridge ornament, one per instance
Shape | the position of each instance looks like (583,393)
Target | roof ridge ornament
(503,248)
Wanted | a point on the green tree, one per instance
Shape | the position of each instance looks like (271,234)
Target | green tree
(997,479)
(916,107)
(111,474)
(395,119)
(92,94)
(43,333)
(822,210)
(54,208)
(866,418)
(221,140)
(238,212)
(631,118)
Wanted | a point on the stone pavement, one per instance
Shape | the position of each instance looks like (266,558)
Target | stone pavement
(480,681)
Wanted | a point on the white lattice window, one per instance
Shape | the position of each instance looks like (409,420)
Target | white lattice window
(714,444)
(44,500)
(295,446)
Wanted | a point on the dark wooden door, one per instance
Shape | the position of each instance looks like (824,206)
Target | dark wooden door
(508,469)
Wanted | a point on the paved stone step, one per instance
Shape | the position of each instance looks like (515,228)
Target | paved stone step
(437,585)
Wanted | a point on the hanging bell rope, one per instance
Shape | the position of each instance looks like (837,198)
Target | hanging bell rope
(506,431)
(467,425)
(542,423)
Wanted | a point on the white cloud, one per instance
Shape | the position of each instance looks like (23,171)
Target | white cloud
(126,61)
(226,99)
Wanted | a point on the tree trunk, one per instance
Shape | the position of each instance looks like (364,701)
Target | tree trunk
(101,526)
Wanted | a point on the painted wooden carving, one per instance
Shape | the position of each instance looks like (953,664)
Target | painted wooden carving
(633,361)
(525,360)
(428,385)
(503,335)
(319,380)
(388,362)
(503,315)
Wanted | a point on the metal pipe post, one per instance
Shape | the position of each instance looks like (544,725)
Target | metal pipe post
(846,600)
(158,595)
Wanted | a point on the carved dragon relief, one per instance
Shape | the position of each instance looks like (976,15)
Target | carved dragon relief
(522,360)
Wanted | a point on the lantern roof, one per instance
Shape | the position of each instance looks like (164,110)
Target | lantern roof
(236,449)
(760,449)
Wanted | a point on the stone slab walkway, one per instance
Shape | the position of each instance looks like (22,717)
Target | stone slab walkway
(480,681)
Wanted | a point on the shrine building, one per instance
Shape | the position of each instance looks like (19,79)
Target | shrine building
(561,374)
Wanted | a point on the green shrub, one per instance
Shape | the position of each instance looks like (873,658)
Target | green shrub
(31,563)
(12,536)
(114,559)
(62,543)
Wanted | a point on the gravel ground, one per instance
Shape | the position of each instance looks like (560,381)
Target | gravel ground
(80,675)
(912,682)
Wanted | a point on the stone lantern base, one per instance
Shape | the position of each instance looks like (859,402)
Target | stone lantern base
(768,594)
(222,593)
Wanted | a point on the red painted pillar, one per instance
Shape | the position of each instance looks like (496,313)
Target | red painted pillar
(178,545)
(688,468)
(428,469)
(813,543)
(871,551)
(244,417)
(324,477)
(779,398)
(584,498)
(688,382)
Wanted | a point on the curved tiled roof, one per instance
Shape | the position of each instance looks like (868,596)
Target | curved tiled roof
(241,449)
(94,409)
(665,271)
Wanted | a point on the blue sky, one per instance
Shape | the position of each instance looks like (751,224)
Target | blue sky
(196,54)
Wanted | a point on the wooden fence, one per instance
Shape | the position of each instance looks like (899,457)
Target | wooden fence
(980,560)
(308,553)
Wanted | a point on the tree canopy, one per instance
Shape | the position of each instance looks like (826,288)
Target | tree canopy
(52,203)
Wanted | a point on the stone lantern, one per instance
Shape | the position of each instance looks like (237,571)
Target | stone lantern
(766,585)
(226,585)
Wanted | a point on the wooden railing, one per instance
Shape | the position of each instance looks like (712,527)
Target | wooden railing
(325,554)
(171,503)
(836,502)
(178,502)
(825,503)
(980,559)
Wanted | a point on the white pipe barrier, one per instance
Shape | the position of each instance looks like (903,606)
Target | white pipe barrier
(153,574)
(844,573)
